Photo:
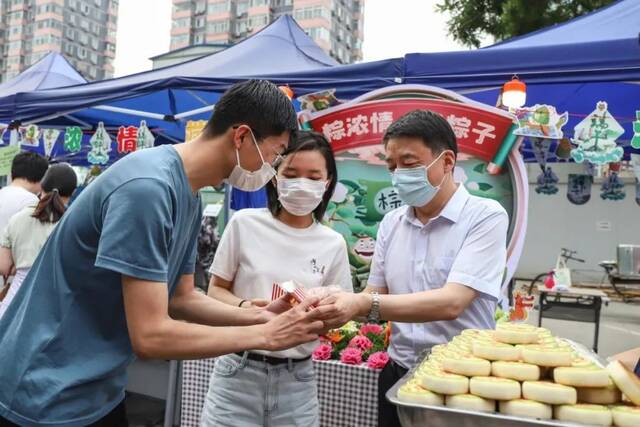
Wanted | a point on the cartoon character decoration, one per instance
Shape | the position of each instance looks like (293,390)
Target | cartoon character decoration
(31,136)
(542,124)
(73,139)
(595,137)
(100,146)
(318,101)
(521,307)
(540,121)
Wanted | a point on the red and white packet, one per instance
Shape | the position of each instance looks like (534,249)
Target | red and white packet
(291,288)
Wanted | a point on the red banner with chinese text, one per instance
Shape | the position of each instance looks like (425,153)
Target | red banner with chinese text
(478,132)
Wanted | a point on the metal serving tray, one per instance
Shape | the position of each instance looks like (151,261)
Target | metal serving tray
(417,415)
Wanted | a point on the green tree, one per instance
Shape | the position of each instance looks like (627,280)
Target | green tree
(473,19)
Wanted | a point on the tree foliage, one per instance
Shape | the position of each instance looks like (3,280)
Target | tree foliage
(471,20)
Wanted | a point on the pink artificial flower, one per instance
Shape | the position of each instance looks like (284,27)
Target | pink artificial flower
(361,342)
(322,352)
(371,328)
(378,360)
(351,356)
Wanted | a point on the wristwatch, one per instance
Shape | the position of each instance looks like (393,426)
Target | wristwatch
(374,313)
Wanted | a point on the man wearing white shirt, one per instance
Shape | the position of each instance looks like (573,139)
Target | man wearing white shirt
(27,169)
(439,260)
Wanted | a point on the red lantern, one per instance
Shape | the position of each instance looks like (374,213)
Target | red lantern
(514,93)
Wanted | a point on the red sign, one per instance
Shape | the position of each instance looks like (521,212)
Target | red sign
(479,132)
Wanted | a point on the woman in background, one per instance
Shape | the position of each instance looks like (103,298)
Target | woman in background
(28,230)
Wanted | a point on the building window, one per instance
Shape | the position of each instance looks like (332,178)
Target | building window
(199,39)
(180,7)
(200,22)
(182,22)
(219,7)
(218,27)
(94,58)
(259,21)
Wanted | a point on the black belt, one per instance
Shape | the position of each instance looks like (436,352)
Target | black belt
(272,360)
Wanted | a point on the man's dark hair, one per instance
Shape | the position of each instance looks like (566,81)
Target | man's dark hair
(431,128)
(257,103)
(29,165)
(308,141)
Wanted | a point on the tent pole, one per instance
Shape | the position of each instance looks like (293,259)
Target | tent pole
(194,112)
(131,112)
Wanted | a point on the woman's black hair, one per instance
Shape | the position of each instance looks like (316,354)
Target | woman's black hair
(59,181)
(307,141)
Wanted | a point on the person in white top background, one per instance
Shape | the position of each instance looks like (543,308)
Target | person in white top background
(440,258)
(28,230)
(27,169)
(259,247)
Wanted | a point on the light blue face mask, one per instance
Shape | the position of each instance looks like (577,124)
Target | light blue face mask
(413,185)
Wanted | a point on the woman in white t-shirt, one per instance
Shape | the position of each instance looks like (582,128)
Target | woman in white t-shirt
(29,229)
(264,246)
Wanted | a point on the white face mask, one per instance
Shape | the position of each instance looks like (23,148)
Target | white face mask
(300,196)
(245,180)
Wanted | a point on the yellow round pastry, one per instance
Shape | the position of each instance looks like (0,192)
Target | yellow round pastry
(493,350)
(627,381)
(584,413)
(519,371)
(581,362)
(438,348)
(548,392)
(600,396)
(470,403)
(547,356)
(445,383)
(626,416)
(526,408)
(413,393)
(516,333)
(581,377)
(494,388)
(467,365)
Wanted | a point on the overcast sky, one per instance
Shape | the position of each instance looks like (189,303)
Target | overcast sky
(391,29)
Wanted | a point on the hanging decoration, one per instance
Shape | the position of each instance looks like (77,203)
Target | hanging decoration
(193,129)
(100,146)
(6,158)
(318,101)
(612,187)
(49,137)
(563,149)
(596,137)
(547,181)
(635,141)
(579,188)
(144,137)
(541,121)
(127,139)
(14,137)
(31,136)
(635,163)
(73,139)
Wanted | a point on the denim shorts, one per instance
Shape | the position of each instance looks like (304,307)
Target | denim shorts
(248,393)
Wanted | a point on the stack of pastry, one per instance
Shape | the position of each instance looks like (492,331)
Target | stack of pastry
(522,370)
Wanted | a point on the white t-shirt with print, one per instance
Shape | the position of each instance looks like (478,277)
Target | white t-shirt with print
(257,250)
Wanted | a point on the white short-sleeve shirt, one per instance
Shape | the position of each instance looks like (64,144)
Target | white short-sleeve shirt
(465,244)
(257,250)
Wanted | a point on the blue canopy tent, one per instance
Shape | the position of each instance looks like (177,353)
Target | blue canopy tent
(171,95)
(572,66)
(51,71)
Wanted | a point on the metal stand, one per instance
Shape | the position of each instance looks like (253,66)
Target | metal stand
(577,306)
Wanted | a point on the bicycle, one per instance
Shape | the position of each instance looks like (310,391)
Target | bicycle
(565,255)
